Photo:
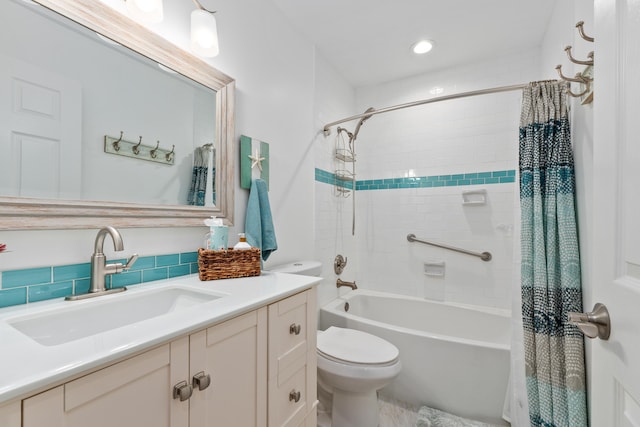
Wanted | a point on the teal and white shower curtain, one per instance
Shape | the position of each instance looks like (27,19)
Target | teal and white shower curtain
(202,162)
(550,267)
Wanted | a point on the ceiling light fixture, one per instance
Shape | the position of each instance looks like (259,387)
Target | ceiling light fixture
(204,32)
(145,10)
(423,46)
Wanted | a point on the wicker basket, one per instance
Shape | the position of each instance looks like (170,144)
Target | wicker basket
(228,264)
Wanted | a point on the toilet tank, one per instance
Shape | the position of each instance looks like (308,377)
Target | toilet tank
(305,268)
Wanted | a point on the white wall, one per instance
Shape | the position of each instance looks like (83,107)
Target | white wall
(335,99)
(274,68)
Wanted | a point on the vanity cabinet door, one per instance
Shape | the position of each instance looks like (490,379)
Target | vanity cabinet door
(233,355)
(292,361)
(133,393)
(10,415)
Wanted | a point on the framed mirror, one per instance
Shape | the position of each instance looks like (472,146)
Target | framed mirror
(51,183)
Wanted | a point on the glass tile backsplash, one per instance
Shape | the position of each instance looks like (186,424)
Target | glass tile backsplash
(472,178)
(42,283)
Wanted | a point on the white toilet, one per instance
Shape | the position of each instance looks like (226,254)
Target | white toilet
(352,365)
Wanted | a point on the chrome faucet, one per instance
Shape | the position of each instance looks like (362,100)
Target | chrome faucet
(99,267)
(351,285)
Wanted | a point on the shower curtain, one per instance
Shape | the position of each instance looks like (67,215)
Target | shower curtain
(550,266)
(201,165)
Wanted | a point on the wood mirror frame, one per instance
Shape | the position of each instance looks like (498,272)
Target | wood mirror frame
(24,213)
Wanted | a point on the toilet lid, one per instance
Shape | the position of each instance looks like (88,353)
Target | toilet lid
(354,346)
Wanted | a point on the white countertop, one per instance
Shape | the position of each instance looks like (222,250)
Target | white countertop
(27,366)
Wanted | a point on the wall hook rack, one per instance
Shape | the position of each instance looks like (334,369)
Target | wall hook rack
(137,150)
(583,78)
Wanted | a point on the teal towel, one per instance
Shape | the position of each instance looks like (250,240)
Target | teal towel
(259,223)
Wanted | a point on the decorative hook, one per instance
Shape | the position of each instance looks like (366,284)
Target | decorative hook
(169,155)
(584,92)
(116,144)
(580,28)
(577,79)
(135,148)
(154,152)
(576,61)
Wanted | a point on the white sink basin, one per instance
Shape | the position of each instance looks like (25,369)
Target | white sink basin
(92,317)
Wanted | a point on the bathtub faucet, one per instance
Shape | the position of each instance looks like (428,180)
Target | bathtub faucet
(351,285)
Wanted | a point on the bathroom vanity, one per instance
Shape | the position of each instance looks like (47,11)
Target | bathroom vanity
(228,352)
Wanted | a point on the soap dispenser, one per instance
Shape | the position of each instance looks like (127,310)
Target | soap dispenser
(242,244)
(218,235)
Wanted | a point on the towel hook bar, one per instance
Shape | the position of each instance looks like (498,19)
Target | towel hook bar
(138,150)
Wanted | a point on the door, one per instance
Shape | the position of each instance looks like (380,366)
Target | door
(615,363)
(232,358)
(40,132)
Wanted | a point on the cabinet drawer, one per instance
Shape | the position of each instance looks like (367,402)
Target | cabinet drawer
(289,397)
(288,331)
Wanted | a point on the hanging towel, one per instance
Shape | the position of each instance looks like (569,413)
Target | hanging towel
(259,223)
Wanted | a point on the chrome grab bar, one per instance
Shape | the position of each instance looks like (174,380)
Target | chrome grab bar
(485,256)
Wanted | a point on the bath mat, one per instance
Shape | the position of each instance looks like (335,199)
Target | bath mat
(429,417)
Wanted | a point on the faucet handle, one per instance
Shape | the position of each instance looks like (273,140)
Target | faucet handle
(130,262)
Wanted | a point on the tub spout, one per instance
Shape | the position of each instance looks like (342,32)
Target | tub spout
(351,285)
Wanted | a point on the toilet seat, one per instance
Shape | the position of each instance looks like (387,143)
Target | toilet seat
(354,347)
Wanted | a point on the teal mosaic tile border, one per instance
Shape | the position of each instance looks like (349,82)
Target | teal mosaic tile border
(472,178)
(331,178)
(43,283)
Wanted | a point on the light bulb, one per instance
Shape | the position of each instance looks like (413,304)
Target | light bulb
(204,33)
(423,46)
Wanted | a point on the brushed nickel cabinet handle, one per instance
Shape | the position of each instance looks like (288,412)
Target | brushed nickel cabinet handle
(294,395)
(201,381)
(182,391)
(295,329)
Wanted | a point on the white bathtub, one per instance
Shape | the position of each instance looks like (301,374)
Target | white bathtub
(454,357)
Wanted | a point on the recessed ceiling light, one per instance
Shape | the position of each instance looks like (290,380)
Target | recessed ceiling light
(423,46)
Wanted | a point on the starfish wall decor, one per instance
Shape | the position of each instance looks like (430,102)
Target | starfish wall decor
(254,161)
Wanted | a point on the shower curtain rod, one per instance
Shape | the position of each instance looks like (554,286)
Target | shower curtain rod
(327,127)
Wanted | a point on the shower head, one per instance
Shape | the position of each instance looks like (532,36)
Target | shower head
(362,120)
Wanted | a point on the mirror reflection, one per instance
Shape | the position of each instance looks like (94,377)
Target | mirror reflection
(69,94)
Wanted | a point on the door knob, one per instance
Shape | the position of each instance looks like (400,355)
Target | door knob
(182,391)
(594,324)
(201,381)
(294,396)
